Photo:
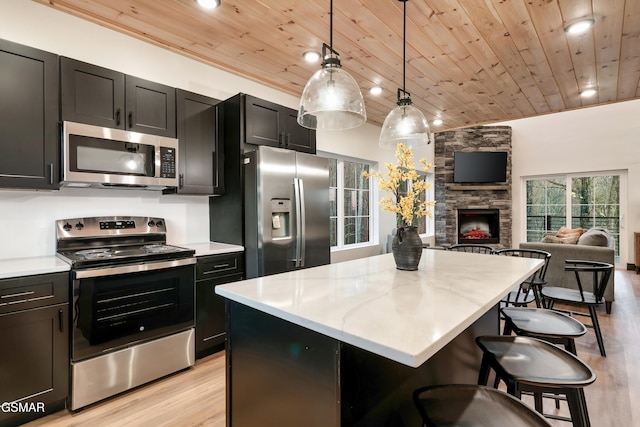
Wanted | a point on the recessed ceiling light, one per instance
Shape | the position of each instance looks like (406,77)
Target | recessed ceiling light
(375,90)
(209,4)
(579,27)
(437,122)
(311,56)
(588,93)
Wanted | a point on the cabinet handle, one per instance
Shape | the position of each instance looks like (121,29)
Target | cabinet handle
(130,119)
(181,180)
(215,267)
(19,294)
(51,173)
(60,320)
(281,139)
(118,117)
(288,139)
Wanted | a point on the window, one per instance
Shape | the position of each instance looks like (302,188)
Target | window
(350,201)
(425,224)
(573,201)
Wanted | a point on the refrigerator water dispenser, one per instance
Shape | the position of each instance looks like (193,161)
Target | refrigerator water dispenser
(280,218)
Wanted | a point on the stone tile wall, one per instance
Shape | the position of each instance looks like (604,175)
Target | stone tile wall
(450,196)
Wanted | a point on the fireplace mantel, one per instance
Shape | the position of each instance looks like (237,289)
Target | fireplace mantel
(460,187)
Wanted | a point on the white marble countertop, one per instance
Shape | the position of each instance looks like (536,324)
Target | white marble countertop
(406,316)
(17,267)
(212,248)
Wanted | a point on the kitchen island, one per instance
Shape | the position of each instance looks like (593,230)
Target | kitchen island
(347,343)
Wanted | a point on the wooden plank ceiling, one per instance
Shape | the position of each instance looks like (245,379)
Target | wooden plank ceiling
(469,62)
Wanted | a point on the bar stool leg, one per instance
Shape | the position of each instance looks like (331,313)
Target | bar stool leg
(537,399)
(578,408)
(596,328)
(483,376)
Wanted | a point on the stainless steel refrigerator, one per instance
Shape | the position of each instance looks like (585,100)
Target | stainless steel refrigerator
(286,211)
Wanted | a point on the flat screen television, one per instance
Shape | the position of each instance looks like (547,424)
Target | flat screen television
(479,166)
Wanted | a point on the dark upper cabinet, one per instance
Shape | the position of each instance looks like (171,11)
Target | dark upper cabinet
(29,132)
(201,154)
(151,107)
(104,97)
(91,94)
(267,123)
(297,137)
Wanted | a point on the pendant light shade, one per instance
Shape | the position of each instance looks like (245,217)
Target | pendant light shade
(331,99)
(405,123)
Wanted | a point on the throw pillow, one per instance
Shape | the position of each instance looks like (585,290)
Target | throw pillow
(570,240)
(568,232)
(550,238)
(594,237)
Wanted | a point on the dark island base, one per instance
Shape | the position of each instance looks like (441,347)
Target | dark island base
(279,373)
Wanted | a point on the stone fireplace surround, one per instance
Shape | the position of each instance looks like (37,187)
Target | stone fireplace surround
(450,197)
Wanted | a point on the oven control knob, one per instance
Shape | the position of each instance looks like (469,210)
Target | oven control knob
(159,224)
(79,226)
(151,223)
(66,227)
(141,328)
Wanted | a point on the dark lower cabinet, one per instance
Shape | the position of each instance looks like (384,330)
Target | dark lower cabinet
(34,349)
(211,271)
(29,148)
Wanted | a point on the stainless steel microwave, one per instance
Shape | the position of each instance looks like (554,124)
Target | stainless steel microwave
(94,156)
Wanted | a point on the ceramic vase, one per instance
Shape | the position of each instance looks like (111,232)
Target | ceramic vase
(407,248)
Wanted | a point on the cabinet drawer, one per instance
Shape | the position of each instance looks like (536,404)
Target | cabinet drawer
(212,266)
(27,292)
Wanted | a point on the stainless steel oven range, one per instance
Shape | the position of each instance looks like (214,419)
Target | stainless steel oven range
(133,304)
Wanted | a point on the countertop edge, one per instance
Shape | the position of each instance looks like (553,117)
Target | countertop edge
(32,266)
(212,248)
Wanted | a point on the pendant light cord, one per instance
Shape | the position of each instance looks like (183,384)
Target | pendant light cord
(404,47)
(331,26)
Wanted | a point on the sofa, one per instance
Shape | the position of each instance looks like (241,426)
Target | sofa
(595,244)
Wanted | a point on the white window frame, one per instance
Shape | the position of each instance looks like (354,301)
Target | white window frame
(622,173)
(373,201)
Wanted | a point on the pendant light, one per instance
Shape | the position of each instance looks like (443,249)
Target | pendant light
(405,123)
(331,99)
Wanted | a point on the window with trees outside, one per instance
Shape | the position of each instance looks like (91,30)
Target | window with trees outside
(573,201)
(350,202)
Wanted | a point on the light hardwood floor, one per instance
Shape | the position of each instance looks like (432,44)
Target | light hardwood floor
(196,397)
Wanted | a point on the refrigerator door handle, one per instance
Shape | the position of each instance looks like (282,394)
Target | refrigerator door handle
(296,194)
(303,225)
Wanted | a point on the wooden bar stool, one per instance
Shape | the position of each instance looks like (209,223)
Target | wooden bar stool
(528,364)
(472,405)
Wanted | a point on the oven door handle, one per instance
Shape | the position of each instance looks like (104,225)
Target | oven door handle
(132,268)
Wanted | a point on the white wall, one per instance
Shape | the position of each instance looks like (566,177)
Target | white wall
(602,138)
(27,217)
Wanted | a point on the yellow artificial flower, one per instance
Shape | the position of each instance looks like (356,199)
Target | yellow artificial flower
(405,185)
